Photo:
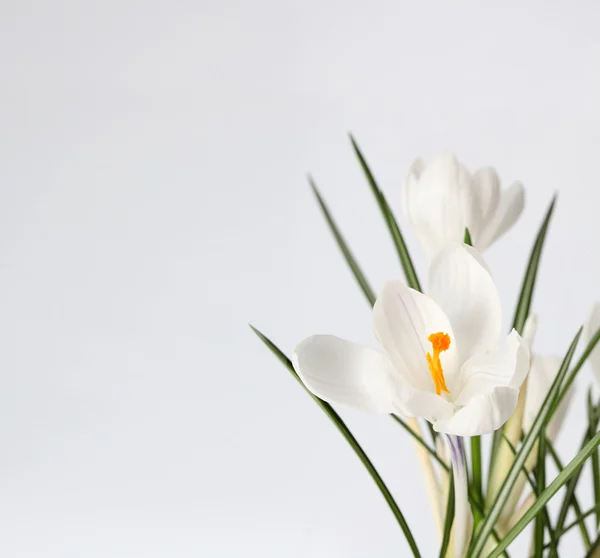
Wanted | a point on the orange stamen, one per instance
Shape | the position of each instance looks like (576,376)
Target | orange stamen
(440,343)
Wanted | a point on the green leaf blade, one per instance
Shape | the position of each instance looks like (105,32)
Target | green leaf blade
(573,500)
(527,288)
(476,470)
(571,469)
(349,437)
(403,254)
(343,246)
(449,519)
(595,461)
(468,241)
(540,481)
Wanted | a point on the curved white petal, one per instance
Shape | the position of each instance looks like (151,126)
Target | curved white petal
(411,182)
(506,365)
(460,282)
(512,202)
(541,375)
(412,402)
(487,190)
(403,319)
(339,371)
(483,414)
(439,202)
(530,329)
(591,327)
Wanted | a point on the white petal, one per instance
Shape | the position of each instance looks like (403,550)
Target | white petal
(512,202)
(403,319)
(339,371)
(411,402)
(440,203)
(530,329)
(487,190)
(506,365)
(484,413)
(591,327)
(411,182)
(541,375)
(460,282)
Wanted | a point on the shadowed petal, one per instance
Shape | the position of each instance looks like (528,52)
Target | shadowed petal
(541,375)
(483,414)
(506,365)
(512,202)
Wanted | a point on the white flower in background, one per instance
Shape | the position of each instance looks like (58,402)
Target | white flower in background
(591,327)
(542,373)
(442,198)
(541,376)
(442,358)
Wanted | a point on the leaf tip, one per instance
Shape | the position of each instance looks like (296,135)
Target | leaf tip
(467,239)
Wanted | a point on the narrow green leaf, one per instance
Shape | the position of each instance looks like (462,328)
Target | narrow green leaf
(569,497)
(593,551)
(488,523)
(540,481)
(577,522)
(347,253)
(534,488)
(494,448)
(530,480)
(595,468)
(476,475)
(571,469)
(345,431)
(449,519)
(468,240)
(573,500)
(405,259)
(573,374)
(526,295)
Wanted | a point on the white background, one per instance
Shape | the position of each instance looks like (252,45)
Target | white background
(153,201)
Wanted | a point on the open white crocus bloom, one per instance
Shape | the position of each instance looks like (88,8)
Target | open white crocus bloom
(442,358)
(442,198)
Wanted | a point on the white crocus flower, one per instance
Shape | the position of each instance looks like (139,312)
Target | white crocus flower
(442,198)
(591,327)
(441,359)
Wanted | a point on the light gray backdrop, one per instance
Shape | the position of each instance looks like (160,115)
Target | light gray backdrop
(153,201)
